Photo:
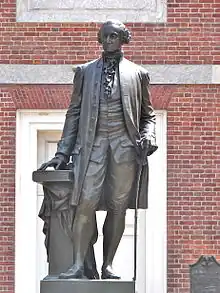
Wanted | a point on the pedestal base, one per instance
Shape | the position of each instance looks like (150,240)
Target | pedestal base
(87,286)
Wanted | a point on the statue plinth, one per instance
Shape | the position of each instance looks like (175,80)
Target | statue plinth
(87,286)
(55,212)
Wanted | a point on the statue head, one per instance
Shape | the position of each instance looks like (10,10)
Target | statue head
(112,35)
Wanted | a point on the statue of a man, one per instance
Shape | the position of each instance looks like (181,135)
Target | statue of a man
(109,123)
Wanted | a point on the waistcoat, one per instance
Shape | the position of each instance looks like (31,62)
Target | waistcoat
(111,129)
(111,124)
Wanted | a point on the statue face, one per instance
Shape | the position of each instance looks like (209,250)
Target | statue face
(111,38)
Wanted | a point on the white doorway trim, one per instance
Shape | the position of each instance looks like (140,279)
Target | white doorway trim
(29,122)
(156,231)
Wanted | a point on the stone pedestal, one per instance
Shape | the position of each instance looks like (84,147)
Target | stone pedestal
(61,248)
(87,286)
(59,245)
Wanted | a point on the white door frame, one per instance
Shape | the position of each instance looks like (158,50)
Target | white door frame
(29,122)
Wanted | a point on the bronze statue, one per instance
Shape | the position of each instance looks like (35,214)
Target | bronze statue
(109,124)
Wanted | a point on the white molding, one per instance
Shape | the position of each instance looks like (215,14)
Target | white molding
(216,74)
(28,123)
(63,74)
(156,232)
(154,11)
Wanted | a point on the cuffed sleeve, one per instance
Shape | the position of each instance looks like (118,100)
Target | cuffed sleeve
(147,126)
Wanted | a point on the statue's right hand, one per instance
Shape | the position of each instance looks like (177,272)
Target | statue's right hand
(56,162)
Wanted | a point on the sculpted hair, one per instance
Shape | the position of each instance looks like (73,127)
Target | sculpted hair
(124,32)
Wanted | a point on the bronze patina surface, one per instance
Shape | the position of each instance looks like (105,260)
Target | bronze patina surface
(108,134)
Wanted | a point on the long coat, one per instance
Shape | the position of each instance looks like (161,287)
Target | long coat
(81,118)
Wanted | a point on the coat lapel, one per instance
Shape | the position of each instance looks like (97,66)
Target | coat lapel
(125,81)
(123,66)
(124,86)
(98,79)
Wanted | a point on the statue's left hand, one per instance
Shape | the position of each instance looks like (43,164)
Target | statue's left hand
(147,148)
(144,145)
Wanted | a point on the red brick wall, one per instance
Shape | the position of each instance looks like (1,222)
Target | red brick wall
(191,35)
(7,191)
(193,180)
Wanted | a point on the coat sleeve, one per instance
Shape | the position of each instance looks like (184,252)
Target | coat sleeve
(70,130)
(147,126)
